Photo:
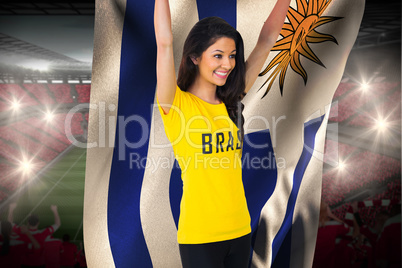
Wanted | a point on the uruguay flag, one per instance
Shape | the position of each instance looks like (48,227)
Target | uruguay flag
(133,186)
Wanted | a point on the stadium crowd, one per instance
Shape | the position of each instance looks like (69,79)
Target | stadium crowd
(27,246)
(353,243)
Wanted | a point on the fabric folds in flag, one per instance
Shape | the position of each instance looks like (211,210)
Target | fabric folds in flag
(133,187)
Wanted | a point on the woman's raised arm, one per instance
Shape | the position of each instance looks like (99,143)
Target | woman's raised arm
(165,72)
(268,35)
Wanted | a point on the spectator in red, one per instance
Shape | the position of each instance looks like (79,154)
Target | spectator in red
(35,258)
(388,251)
(330,227)
(11,249)
(68,256)
(370,233)
(52,251)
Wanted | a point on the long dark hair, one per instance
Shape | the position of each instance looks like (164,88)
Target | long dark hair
(205,33)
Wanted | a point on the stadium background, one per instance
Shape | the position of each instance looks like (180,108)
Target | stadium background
(45,71)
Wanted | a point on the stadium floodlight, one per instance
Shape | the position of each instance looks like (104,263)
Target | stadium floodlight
(15,105)
(73,81)
(341,166)
(27,81)
(364,87)
(381,124)
(49,116)
(86,81)
(26,166)
(57,81)
(42,81)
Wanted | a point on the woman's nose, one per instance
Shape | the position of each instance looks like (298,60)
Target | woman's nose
(227,63)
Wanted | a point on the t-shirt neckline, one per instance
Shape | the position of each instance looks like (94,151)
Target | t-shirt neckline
(217,104)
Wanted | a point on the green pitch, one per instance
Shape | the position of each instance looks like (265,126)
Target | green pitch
(61,185)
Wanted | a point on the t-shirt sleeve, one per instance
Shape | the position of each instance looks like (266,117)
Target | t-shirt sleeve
(54,228)
(174,109)
(50,230)
(175,117)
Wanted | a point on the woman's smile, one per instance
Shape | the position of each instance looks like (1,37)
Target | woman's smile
(222,74)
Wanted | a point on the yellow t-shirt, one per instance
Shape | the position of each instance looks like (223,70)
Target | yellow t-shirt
(205,143)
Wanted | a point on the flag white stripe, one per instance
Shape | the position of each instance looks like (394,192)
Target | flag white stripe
(305,218)
(104,92)
(159,229)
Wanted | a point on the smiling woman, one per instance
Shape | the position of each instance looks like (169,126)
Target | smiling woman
(214,224)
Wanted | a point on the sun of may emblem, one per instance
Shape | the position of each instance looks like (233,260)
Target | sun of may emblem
(297,33)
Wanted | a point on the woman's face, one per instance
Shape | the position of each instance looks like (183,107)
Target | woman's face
(216,62)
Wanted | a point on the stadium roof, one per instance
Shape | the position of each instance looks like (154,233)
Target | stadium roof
(48,7)
(381,24)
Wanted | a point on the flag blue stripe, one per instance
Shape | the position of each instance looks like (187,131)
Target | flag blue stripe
(226,9)
(175,192)
(136,95)
(281,246)
(259,173)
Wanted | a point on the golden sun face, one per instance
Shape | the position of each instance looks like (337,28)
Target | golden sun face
(297,33)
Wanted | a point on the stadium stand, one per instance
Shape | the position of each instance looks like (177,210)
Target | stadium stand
(383,88)
(343,88)
(345,106)
(362,170)
(49,128)
(83,93)
(8,152)
(62,92)
(3,195)
(390,110)
(41,136)
(29,144)
(14,93)
(3,106)
(62,125)
(35,139)
(348,106)
(335,151)
(41,93)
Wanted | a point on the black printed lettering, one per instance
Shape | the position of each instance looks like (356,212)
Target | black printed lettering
(220,138)
(206,145)
(230,142)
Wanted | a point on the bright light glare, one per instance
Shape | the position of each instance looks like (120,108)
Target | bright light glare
(26,166)
(39,65)
(365,87)
(341,166)
(15,105)
(381,124)
(49,116)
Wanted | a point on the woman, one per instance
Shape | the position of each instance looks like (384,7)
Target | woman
(201,112)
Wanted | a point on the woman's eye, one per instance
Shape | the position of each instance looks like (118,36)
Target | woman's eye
(218,56)
(233,56)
